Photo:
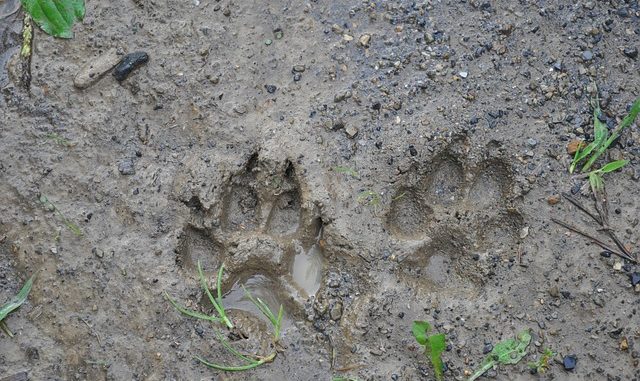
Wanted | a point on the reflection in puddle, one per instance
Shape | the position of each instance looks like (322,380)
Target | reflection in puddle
(307,269)
(260,287)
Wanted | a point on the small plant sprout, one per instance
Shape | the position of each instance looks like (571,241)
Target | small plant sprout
(542,365)
(53,208)
(15,303)
(601,142)
(247,361)
(434,345)
(369,198)
(347,171)
(507,352)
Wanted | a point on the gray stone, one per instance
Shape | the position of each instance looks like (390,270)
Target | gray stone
(127,167)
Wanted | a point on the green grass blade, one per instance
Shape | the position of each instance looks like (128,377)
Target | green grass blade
(267,311)
(278,326)
(612,166)
(633,113)
(229,368)
(217,304)
(188,312)
(234,351)
(203,284)
(575,160)
(219,284)
(17,300)
(596,182)
(347,171)
(261,306)
(600,130)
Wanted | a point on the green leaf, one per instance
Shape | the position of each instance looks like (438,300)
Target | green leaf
(510,351)
(633,113)
(610,167)
(600,130)
(436,344)
(420,330)
(17,300)
(55,17)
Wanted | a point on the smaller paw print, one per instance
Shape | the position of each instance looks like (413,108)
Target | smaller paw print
(450,216)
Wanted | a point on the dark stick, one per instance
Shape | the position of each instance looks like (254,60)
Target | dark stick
(594,240)
(607,229)
(579,205)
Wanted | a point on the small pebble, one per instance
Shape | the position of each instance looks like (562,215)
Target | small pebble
(351,131)
(569,362)
(587,55)
(336,311)
(270,88)
(635,278)
(463,74)
(487,348)
(606,254)
(531,142)
(624,344)
(364,40)
(413,151)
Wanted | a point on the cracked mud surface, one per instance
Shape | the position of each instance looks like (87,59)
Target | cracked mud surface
(226,147)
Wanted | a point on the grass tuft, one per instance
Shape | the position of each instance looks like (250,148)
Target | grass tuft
(246,361)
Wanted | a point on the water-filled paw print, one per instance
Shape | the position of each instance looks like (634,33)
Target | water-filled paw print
(261,228)
(453,214)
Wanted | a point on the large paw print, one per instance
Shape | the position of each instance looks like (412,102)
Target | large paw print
(263,231)
(452,216)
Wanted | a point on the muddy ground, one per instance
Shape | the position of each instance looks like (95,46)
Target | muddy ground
(364,164)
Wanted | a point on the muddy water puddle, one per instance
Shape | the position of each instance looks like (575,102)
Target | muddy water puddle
(292,290)
(259,286)
(307,269)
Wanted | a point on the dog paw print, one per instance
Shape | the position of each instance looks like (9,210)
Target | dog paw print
(264,232)
(453,215)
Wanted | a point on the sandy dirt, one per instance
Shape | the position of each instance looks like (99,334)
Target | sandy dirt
(364,164)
